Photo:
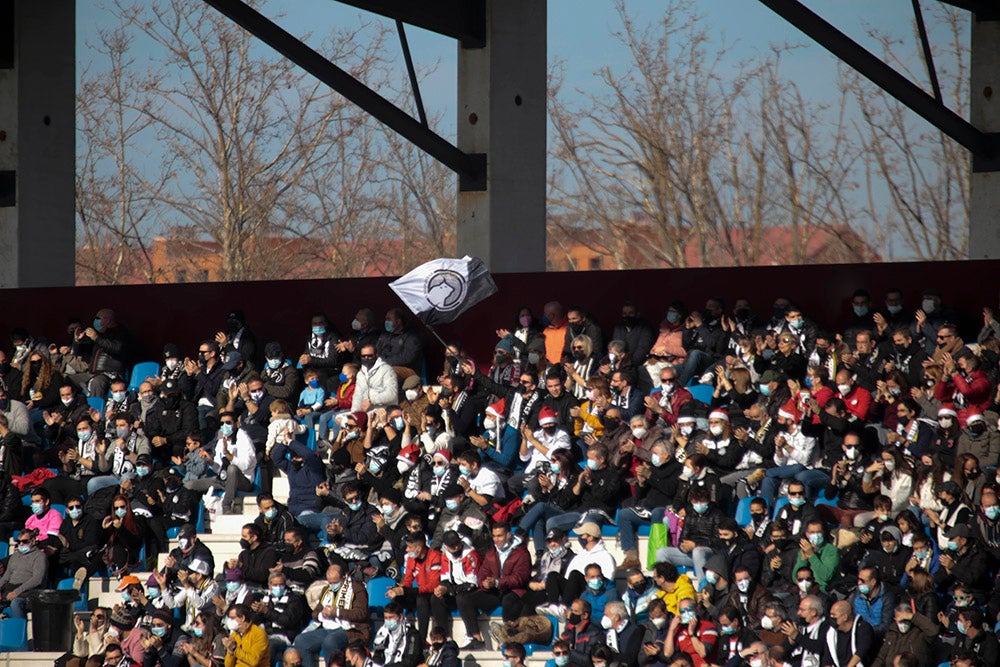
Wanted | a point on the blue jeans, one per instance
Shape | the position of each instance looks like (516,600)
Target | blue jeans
(311,642)
(696,559)
(328,426)
(17,608)
(95,484)
(534,521)
(814,480)
(628,523)
(695,363)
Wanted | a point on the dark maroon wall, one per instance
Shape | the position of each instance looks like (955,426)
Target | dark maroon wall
(184,314)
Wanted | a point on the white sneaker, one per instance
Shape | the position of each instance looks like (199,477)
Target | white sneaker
(554,609)
(528,499)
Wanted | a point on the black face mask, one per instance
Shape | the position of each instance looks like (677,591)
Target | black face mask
(437,646)
(903,421)
(573,619)
(977,429)
(550,430)
(244,544)
(233,326)
(628,321)
(579,355)
(611,423)
(756,518)
(972,474)
(36,366)
(298,464)
(744,314)
(640,587)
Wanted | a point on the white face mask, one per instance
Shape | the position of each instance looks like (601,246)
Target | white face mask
(804,585)
(927,305)
(639,432)
(743,585)
(411,395)
(945,422)
(172,364)
(658,623)
(844,389)
(851,452)
(890,465)
(767,623)
(715,430)
(489,423)
(686,473)
(756,662)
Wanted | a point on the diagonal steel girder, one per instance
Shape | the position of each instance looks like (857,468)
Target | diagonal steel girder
(471,168)
(465,20)
(981,144)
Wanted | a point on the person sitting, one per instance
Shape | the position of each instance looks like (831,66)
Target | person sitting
(247,644)
(257,557)
(396,643)
(26,571)
(196,594)
(340,615)
(281,611)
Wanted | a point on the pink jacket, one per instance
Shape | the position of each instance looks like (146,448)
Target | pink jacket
(47,524)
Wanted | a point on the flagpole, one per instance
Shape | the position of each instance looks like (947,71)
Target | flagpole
(435,333)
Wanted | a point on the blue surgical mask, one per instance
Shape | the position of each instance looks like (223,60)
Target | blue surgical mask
(120,512)
(271,513)
(464,471)
(595,584)
(687,617)
(374,467)
(24,548)
(960,626)
(439,470)
(562,660)
(314,383)
(727,630)
(118,396)
(277,591)
(158,631)
(126,596)
(808,382)
(123,432)
(198,632)
(398,423)
(318,331)
(387,510)
(232,586)
(98,324)
(673,317)
(343,378)
(388,326)
(354,507)
(591,464)
(37,509)
(796,501)
(711,577)
(656,460)
(391,624)
(274,364)
(992,512)
(864,589)
(555,468)
(816,539)
(860,311)
(152,593)
(336,587)
(765,389)
(226,429)
(700,508)
(84,436)
(74,512)
(952,545)
(142,471)
(451,504)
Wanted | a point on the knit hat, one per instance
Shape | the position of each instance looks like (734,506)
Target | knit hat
(234,574)
(790,410)
(361,419)
(163,615)
(547,416)
(412,382)
(171,351)
(719,413)
(273,350)
(121,620)
(506,344)
(769,376)
(409,453)
(152,582)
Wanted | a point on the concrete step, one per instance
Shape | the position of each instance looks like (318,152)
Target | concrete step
(28,659)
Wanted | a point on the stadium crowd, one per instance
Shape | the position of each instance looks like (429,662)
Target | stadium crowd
(811,498)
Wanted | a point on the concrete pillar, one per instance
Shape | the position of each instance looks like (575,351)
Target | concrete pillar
(37,144)
(502,113)
(984,113)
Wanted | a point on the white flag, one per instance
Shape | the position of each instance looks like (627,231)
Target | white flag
(440,290)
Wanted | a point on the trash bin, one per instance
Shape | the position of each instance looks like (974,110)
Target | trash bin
(52,619)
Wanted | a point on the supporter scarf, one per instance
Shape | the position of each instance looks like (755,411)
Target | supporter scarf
(831,641)
(392,642)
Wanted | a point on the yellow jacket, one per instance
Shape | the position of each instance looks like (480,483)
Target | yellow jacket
(682,589)
(252,649)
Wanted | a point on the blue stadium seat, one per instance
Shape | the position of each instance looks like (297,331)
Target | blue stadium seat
(702,392)
(141,371)
(13,635)
(96,402)
(4,550)
(67,585)
(778,504)
(821,499)
(377,589)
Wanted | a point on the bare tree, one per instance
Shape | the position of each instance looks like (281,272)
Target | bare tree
(247,136)
(115,200)
(917,178)
(675,163)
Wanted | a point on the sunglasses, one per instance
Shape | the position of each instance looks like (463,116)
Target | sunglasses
(24,541)
(227,422)
(560,652)
(367,356)
(351,499)
(686,609)
(74,507)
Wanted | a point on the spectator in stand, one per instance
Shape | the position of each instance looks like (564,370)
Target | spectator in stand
(234,463)
(340,615)
(376,382)
(201,382)
(399,345)
(339,402)
(26,570)
(323,348)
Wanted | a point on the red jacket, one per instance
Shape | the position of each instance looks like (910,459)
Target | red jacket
(345,395)
(859,402)
(427,571)
(516,570)
(975,390)
(679,397)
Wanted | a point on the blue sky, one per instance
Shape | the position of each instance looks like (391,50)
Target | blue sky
(580,34)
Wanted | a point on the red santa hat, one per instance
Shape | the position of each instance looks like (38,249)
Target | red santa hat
(719,414)
(547,417)
(409,453)
(790,410)
(443,453)
(947,410)
(973,416)
(498,409)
